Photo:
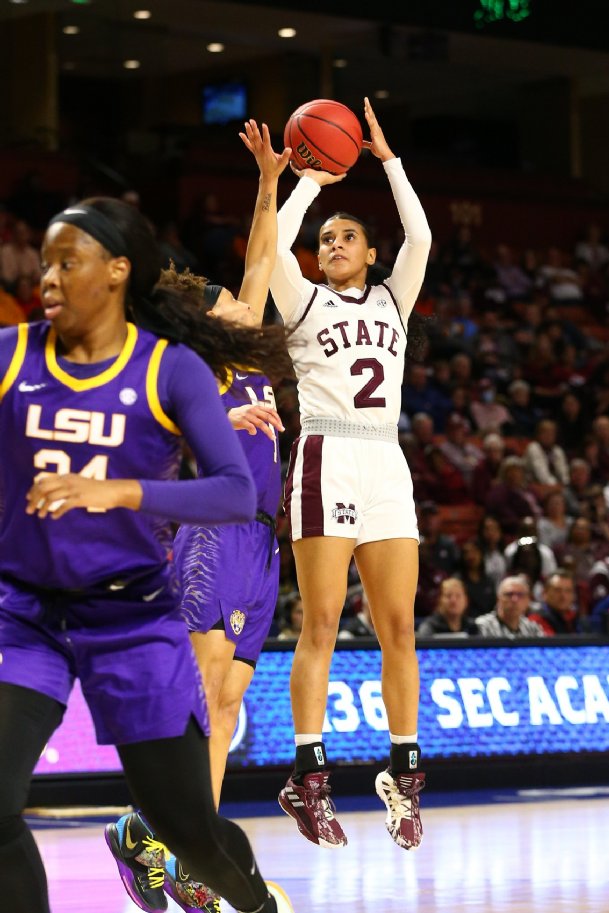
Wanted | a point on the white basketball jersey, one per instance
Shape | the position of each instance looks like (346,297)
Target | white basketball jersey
(348,353)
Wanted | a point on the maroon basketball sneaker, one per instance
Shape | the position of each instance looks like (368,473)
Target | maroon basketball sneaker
(401,796)
(312,809)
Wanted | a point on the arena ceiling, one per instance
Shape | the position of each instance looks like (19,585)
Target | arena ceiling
(428,54)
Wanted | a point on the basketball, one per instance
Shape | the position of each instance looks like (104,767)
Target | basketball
(324,135)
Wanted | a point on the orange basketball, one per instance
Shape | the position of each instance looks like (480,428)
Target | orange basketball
(324,135)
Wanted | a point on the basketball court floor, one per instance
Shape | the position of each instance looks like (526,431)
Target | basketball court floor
(526,852)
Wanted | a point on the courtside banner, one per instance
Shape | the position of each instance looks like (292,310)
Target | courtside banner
(492,699)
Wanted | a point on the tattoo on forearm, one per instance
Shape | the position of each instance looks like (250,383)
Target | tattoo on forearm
(266,203)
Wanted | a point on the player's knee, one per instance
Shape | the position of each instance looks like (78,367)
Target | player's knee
(228,712)
(320,631)
(396,633)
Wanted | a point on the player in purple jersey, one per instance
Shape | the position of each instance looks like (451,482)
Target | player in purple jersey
(93,404)
(228,575)
(348,489)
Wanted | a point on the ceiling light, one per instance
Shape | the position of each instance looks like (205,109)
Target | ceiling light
(18,1)
(70,30)
(142,14)
(340,63)
(215,47)
(381,93)
(287,33)
(131,64)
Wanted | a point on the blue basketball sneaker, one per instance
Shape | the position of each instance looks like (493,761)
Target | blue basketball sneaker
(140,860)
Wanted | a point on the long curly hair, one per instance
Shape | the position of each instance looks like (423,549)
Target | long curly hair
(171,305)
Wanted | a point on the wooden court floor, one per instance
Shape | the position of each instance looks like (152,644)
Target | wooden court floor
(521,855)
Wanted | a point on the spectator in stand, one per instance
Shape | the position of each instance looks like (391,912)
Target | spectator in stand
(450,615)
(559,279)
(591,454)
(545,372)
(463,325)
(457,449)
(572,423)
(461,370)
(508,619)
(443,479)
(546,462)
(490,539)
(438,558)
(579,552)
(579,491)
(591,248)
(292,627)
(460,405)
(510,500)
(553,525)
(515,282)
(479,586)
(558,612)
(419,395)
(525,415)
(599,383)
(19,258)
(487,413)
(526,555)
(414,444)
(359,625)
(486,472)
(495,350)
(600,430)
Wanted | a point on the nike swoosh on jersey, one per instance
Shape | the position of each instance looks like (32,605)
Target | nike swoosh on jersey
(241,376)
(150,596)
(24,387)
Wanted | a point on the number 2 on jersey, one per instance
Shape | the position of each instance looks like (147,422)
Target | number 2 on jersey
(364,399)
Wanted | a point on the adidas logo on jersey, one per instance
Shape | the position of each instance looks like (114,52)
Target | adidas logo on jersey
(329,304)
(381,303)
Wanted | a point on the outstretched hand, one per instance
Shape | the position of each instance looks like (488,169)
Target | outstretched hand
(270,163)
(377,142)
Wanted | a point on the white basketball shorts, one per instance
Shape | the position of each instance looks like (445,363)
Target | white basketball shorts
(350,487)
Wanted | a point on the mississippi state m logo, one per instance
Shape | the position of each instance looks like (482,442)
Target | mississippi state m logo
(344,514)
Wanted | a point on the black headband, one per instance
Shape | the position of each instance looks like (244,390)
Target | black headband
(211,293)
(95,224)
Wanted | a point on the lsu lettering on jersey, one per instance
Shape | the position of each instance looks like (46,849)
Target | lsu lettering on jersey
(348,352)
(52,421)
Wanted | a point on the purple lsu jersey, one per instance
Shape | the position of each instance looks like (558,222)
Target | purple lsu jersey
(99,426)
(244,387)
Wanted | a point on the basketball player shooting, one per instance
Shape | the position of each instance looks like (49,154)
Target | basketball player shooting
(349,490)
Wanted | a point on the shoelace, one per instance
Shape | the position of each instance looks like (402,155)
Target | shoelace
(322,801)
(156,874)
(401,803)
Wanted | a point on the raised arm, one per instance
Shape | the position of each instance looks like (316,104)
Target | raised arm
(409,268)
(288,286)
(262,242)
